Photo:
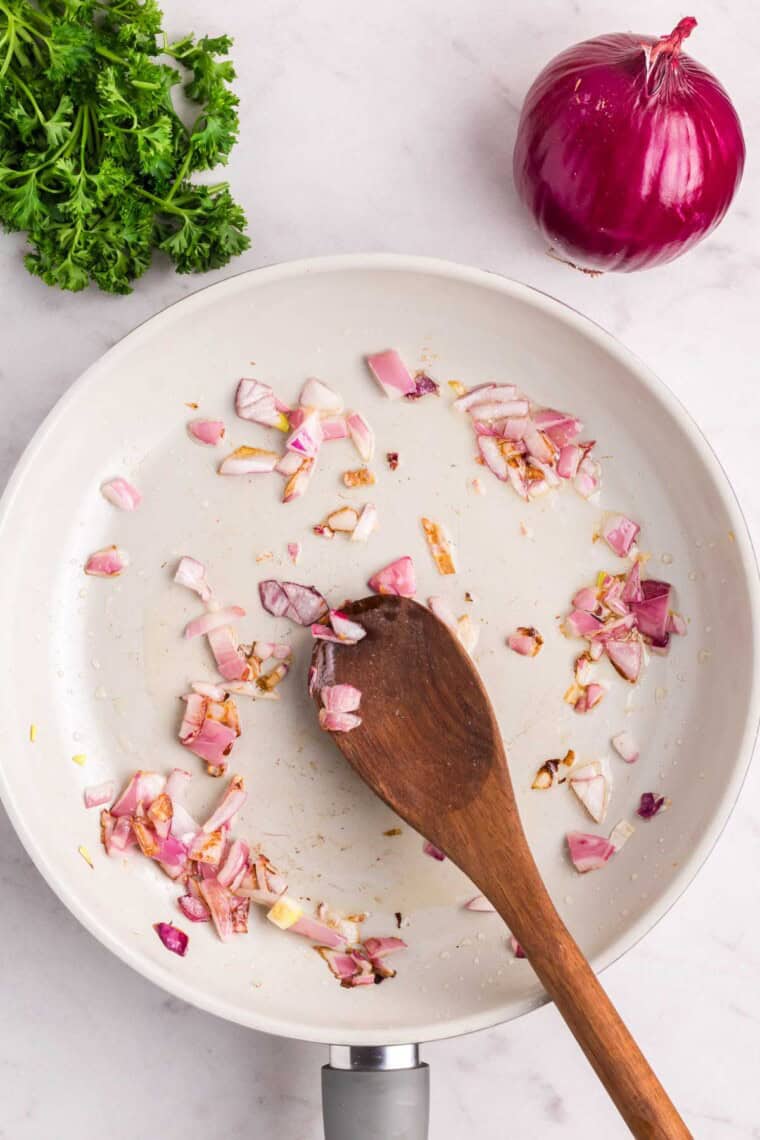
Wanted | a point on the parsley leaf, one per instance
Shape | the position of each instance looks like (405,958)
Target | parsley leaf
(96,163)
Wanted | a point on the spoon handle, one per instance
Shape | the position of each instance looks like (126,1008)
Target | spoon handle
(593,1020)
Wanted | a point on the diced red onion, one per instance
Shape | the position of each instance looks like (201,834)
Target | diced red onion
(306,440)
(334,427)
(107,563)
(192,574)
(586,599)
(433,851)
(121,493)
(317,394)
(338,721)
(381,947)
(340,698)
(234,863)
(676,624)
(142,788)
(483,393)
(650,804)
(318,932)
(500,410)
(652,611)
(561,428)
(592,787)
(480,903)
(626,747)
(581,623)
(343,520)
(621,833)
(172,937)
(627,656)
(588,478)
(257,402)
(588,852)
(527,641)
(620,533)
(209,691)
(289,463)
(98,794)
(366,525)
(362,436)
(294,551)
(249,461)
(208,432)
(423,386)
(212,743)
(232,800)
(219,902)
(213,620)
(515,947)
(391,373)
(298,483)
(397,578)
(569,459)
(194,909)
(301,604)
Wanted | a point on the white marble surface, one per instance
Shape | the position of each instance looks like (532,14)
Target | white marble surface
(389,127)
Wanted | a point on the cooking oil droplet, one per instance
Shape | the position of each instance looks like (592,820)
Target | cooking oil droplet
(100,693)
(666,559)
(703,656)
(444,954)
(568,899)
(95,663)
(681,677)
(77,736)
(679,741)
(692,575)
(83,592)
(660,694)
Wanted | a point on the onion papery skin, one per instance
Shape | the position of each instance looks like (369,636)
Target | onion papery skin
(628,152)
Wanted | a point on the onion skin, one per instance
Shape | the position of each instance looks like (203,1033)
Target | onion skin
(628,152)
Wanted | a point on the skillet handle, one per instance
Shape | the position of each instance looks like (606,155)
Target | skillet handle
(376,1093)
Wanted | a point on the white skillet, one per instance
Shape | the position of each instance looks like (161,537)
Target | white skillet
(98,665)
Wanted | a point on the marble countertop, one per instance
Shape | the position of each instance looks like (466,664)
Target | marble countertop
(390,127)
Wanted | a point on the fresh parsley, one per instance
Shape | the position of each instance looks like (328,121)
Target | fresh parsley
(95,161)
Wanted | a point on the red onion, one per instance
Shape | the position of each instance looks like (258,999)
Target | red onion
(628,152)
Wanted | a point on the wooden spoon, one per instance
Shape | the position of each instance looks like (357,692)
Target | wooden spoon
(429,745)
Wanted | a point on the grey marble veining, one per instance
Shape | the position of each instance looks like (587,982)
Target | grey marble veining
(389,127)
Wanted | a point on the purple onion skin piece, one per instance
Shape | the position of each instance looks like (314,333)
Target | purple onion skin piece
(628,152)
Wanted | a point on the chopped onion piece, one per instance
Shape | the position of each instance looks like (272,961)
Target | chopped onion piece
(397,578)
(214,619)
(211,692)
(626,747)
(299,481)
(229,660)
(107,563)
(142,788)
(366,524)
(361,477)
(621,833)
(338,721)
(440,545)
(561,428)
(527,641)
(249,461)
(391,458)
(194,909)
(591,784)
(433,851)
(362,436)
(306,440)
(651,804)
(98,794)
(484,393)
(588,478)
(301,604)
(620,533)
(121,493)
(340,698)
(568,461)
(257,402)
(172,937)
(588,852)
(343,520)
(391,373)
(294,552)
(192,574)
(480,903)
(515,947)
(317,394)
(423,386)
(289,463)
(627,656)
(547,773)
(676,624)
(219,902)
(208,432)
(232,800)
